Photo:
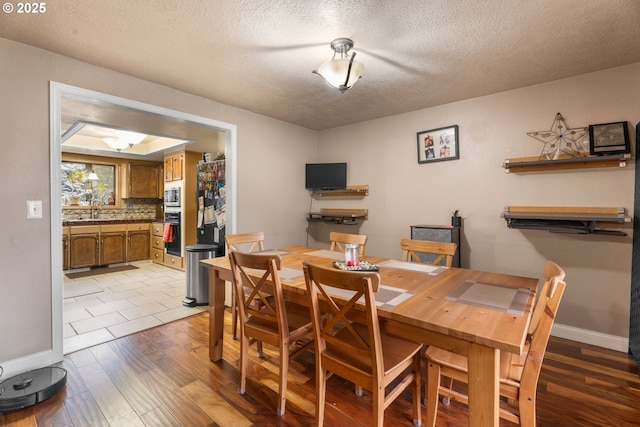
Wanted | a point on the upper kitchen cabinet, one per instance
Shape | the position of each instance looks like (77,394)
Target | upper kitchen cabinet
(173,167)
(143,181)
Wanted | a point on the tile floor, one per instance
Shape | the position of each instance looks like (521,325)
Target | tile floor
(130,301)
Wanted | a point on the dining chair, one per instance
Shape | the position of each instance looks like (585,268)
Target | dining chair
(443,251)
(273,322)
(358,352)
(338,240)
(243,242)
(518,373)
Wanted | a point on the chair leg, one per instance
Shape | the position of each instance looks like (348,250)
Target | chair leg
(527,408)
(415,389)
(244,359)
(378,405)
(259,348)
(321,391)
(234,314)
(431,392)
(284,369)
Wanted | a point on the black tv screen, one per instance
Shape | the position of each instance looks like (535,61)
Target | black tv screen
(326,176)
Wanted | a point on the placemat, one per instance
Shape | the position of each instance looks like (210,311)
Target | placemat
(324,253)
(288,274)
(272,252)
(414,266)
(386,297)
(501,298)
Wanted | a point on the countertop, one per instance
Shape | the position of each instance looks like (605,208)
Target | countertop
(99,221)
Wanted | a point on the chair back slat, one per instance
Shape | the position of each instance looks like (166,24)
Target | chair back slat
(411,249)
(245,242)
(256,277)
(340,329)
(338,240)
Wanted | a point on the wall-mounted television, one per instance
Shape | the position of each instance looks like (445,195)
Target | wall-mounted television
(325,176)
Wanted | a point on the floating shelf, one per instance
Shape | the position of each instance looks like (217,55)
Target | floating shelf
(351,190)
(574,220)
(534,164)
(338,216)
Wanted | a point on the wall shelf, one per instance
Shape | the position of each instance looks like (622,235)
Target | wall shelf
(534,164)
(573,220)
(338,216)
(351,190)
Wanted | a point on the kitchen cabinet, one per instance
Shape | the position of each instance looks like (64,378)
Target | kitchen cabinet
(113,248)
(157,244)
(173,261)
(65,248)
(173,167)
(84,250)
(103,244)
(138,242)
(113,244)
(143,181)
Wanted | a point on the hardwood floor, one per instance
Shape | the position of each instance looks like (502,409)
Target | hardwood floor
(163,377)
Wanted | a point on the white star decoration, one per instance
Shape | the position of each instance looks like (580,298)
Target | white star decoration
(560,139)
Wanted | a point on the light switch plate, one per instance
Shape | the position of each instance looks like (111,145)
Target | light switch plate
(34,209)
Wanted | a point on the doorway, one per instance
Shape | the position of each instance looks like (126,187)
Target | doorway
(57,92)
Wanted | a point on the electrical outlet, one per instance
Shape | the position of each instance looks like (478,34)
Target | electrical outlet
(34,209)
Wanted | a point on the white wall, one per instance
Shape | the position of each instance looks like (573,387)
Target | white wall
(383,154)
(270,190)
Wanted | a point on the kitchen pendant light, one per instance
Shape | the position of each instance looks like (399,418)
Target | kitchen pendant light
(342,71)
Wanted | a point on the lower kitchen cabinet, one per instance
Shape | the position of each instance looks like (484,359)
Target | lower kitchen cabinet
(113,248)
(65,248)
(95,245)
(84,250)
(173,261)
(138,242)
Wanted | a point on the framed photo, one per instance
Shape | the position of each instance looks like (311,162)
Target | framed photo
(440,144)
(609,138)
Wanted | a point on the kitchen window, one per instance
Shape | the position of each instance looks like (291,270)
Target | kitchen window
(81,188)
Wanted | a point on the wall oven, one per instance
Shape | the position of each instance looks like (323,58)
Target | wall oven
(172,196)
(173,247)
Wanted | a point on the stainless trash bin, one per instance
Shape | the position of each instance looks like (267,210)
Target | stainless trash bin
(197,276)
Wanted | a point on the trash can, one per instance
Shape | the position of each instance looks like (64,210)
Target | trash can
(197,292)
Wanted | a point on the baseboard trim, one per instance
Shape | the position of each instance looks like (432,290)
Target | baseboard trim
(585,336)
(27,363)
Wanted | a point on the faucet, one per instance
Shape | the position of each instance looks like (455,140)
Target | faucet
(96,210)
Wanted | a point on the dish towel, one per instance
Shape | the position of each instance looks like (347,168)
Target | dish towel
(167,236)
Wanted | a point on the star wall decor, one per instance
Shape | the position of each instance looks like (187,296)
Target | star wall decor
(561,139)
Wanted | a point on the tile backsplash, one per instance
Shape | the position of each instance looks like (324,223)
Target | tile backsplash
(130,211)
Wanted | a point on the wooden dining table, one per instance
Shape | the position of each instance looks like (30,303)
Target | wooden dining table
(472,313)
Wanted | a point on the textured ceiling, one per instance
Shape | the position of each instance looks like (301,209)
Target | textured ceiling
(258,54)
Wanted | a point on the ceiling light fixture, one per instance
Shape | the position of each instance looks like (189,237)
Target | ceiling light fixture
(93,177)
(124,139)
(341,72)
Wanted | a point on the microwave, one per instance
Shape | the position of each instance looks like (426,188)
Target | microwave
(172,196)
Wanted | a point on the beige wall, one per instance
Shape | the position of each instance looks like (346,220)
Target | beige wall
(270,190)
(382,154)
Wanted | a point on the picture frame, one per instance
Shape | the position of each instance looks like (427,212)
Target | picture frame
(609,138)
(436,145)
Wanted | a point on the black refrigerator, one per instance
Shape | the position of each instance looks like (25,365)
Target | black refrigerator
(211,204)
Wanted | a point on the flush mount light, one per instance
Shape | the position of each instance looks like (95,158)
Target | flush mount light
(124,139)
(342,71)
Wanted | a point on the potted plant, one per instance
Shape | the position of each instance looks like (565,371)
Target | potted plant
(76,179)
